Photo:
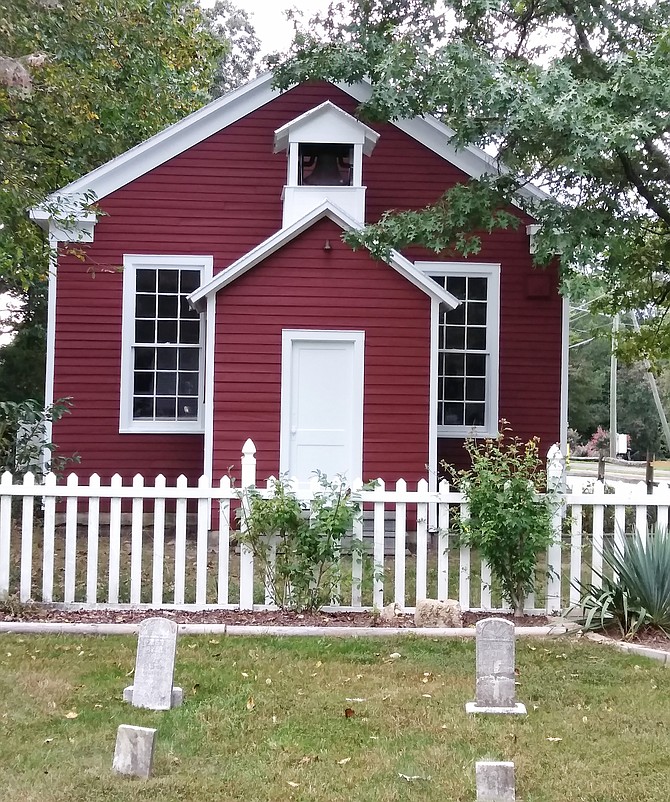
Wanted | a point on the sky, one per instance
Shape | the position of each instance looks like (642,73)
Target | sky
(268,19)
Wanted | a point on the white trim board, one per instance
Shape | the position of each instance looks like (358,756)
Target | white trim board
(224,111)
(285,235)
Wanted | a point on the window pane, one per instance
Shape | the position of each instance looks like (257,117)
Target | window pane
(166,408)
(145,281)
(187,408)
(190,280)
(189,331)
(144,331)
(144,358)
(474,414)
(143,408)
(477,289)
(441,280)
(189,359)
(167,358)
(456,286)
(168,281)
(185,310)
(188,384)
(145,306)
(476,314)
(475,389)
(453,389)
(476,339)
(475,364)
(144,383)
(452,414)
(166,383)
(455,337)
(455,364)
(168,305)
(167,331)
(456,316)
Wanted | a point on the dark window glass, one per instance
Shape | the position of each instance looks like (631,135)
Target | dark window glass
(189,331)
(143,408)
(145,281)
(453,389)
(455,317)
(455,337)
(168,305)
(167,359)
(144,331)
(187,408)
(475,364)
(452,414)
(474,414)
(475,389)
(144,358)
(477,289)
(189,359)
(187,384)
(476,340)
(166,407)
(476,314)
(145,306)
(189,281)
(455,364)
(168,281)
(167,331)
(144,383)
(456,286)
(166,383)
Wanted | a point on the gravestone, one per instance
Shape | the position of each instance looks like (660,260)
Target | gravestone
(495,683)
(154,667)
(495,781)
(134,751)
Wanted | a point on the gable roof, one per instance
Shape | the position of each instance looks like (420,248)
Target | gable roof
(273,243)
(283,134)
(226,110)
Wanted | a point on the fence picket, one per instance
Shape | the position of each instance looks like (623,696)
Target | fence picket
(400,546)
(27,508)
(485,597)
(357,554)
(92,540)
(5,533)
(598,534)
(246,555)
(48,539)
(224,543)
(464,570)
(575,554)
(443,542)
(180,545)
(379,512)
(157,574)
(137,522)
(201,544)
(114,542)
(422,543)
(71,506)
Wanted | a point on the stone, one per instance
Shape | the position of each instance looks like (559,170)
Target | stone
(134,751)
(391,612)
(154,667)
(495,685)
(495,781)
(434,613)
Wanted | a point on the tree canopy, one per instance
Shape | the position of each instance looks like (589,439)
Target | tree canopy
(82,81)
(570,95)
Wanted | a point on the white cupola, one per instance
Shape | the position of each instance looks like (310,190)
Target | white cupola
(325,161)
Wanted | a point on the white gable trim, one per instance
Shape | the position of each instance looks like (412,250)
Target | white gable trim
(226,110)
(283,135)
(284,235)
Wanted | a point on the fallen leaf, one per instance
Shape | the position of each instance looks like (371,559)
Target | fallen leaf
(426,696)
(318,664)
(411,777)
(97,705)
(554,740)
(308,759)
(268,681)
(214,641)
(250,703)
(394,655)
(196,688)
(348,712)
(48,740)
(191,645)
(293,785)
(244,674)
(344,761)
(355,699)
(71,714)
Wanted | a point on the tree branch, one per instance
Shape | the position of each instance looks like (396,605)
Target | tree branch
(635,179)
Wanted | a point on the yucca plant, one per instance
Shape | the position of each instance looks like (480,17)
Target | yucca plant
(637,594)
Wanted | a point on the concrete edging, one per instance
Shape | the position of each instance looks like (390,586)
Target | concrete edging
(51,628)
(631,648)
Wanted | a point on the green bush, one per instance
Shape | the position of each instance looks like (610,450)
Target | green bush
(509,510)
(637,594)
(297,544)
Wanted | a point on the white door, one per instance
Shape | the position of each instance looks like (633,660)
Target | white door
(322,404)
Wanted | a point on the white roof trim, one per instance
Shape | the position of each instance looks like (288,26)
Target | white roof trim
(284,235)
(226,110)
(282,135)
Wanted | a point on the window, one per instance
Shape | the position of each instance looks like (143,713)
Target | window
(161,385)
(467,346)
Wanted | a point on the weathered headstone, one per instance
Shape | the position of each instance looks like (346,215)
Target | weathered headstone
(495,683)
(154,667)
(495,781)
(134,751)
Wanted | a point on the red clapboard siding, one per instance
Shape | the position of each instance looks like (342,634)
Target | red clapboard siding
(395,406)
(222,197)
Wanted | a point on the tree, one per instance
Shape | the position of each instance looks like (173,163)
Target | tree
(103,77)
(232,25)
(571,95)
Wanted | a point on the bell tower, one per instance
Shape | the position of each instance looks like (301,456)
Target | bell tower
(325,149)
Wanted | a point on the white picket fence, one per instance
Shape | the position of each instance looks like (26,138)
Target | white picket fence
(174,546)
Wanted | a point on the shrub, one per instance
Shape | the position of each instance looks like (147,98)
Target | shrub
(637,594)
(296,544)
(508,521)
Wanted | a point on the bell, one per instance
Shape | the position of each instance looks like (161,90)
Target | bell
(326,172)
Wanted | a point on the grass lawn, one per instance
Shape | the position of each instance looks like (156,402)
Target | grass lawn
(264,720)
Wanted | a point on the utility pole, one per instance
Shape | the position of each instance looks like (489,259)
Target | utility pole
(613,390)
(654,388)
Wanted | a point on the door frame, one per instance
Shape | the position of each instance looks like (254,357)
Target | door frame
(291,336)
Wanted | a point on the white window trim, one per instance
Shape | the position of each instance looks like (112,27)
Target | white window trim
(131,262)
(490,271)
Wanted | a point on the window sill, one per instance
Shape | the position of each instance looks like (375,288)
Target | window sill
(176,428)
(461,432)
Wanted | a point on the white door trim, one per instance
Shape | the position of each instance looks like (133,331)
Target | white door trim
(290,336)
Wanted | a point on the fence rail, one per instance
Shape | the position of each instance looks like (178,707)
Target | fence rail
(164,545)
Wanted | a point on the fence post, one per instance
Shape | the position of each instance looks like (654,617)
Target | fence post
(246,556)
(555,484)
